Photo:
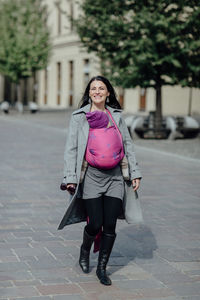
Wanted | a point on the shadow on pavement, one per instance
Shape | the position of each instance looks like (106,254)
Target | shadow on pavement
(142,241)
(134,241)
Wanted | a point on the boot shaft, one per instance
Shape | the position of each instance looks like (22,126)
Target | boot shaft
(87,241)
(106,246)
(85,251)
(107,242)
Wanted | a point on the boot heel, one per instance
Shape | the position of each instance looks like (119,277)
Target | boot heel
(103,277)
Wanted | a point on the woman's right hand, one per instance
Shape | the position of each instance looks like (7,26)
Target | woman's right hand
(71,187)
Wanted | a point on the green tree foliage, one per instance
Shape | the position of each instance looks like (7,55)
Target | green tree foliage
(149,43)
(24,36)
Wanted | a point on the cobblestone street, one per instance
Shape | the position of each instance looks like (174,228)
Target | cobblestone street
(159,260)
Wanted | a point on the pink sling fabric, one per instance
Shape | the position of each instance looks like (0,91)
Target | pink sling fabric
(104,148)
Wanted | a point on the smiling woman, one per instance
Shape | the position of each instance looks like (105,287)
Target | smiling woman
(98,94)
(100,82)
(98,141)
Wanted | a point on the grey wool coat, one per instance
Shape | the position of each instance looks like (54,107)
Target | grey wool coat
(74,157)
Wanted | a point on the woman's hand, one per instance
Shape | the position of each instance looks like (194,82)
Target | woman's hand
(71,187)
(136,184)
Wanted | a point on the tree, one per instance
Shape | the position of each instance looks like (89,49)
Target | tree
(192,48)
(149,43)
(25,44)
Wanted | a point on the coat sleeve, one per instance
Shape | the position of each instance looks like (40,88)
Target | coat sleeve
(134,170)
(70,154)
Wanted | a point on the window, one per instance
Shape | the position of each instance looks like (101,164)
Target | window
(86,71)
(71,15)
(142,99)
(71,82)
(58,82)
(59,15)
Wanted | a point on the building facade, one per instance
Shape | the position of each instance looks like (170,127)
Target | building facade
(70,67)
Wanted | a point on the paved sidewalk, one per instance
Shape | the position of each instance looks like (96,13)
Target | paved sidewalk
(157,261)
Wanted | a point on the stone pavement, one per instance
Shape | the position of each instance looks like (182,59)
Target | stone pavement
(159,260)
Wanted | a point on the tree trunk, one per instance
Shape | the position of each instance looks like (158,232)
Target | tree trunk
(35,88)
(190,102)
(158,113)
(19,98)
(19,93)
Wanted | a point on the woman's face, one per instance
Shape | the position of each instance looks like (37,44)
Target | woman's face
(98,92)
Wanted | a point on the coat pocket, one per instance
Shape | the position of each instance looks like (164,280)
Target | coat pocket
(132,207)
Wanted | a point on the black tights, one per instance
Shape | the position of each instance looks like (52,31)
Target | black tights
(102,211)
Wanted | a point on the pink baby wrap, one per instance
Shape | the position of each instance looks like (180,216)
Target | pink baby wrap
(104,146)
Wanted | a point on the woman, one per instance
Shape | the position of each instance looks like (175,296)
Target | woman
(97,144)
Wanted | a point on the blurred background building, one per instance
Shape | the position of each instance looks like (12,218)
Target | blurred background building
(70,67)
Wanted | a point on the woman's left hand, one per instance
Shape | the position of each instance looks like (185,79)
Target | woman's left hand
(136,184)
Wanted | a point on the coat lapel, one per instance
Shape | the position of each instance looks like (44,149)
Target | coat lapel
(83,121)
(85,126)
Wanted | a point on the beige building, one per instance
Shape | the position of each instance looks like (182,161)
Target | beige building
(70,67)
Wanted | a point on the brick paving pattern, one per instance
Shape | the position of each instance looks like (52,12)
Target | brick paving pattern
(159,260)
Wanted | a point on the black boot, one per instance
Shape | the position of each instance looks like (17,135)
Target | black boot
(107,242)
(85,251)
